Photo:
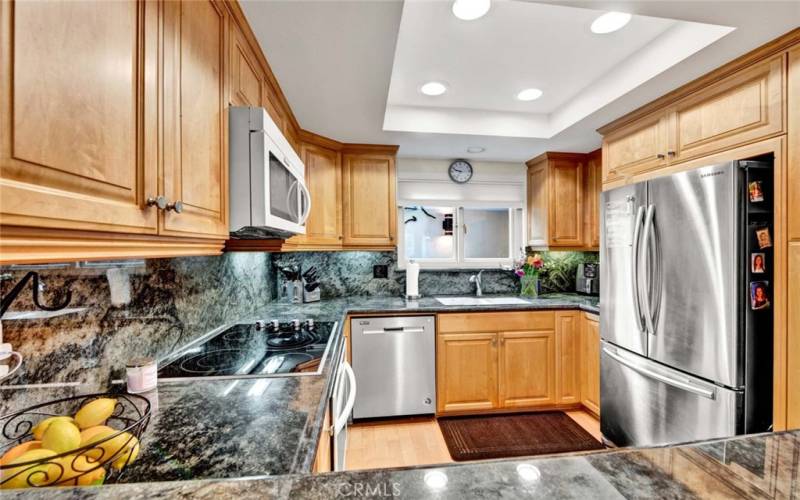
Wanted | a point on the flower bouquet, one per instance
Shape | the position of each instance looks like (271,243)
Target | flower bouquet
(528,269)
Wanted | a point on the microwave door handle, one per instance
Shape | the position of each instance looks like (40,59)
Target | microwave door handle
(637,306)
(307,194)
(292,190)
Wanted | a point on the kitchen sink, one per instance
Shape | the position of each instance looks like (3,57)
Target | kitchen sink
(481,301)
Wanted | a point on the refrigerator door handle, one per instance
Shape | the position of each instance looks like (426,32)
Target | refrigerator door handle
(637,301)
(680,384)
(649,239)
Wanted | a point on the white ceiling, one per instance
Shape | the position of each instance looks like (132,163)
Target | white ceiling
(343,64)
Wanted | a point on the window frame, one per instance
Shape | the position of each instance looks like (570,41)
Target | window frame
(516,235)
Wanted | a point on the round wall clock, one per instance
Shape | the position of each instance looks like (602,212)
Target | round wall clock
(460,171)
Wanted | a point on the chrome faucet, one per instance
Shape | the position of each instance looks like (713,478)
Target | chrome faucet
(476,278)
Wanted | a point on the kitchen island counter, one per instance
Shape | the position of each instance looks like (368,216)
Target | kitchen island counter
(224,429)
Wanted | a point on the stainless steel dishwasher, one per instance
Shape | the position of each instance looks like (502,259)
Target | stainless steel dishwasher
(394,360)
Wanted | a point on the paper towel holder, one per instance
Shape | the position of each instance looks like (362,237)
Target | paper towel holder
(407,295)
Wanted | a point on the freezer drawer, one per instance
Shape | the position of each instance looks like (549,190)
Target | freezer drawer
(394,360)
(644,403)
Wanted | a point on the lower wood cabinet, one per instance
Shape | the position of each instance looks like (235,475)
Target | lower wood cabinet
(590,362)
(466,372)
(513,360)
(323,462)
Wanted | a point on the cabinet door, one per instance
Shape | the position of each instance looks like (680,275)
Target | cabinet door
(568,382)
(538,212)
(742,108)
(323,461)
(245,82)
(466,372)
(195,135)
(591,209)
(324,181)
(527,369)
(638,147)
(565,223)
(78,124)
(590,363)
(370,211)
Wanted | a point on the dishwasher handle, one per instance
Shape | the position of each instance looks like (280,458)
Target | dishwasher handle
(395,329)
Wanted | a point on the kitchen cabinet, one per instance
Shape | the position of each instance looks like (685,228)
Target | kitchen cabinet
(741,108)
(195,126)
(466,372)
(368,199)
(556,200)
(594,186)
(567,337)
(507,360)
(527,372)
(324,182)
(245,76)
(121,150)
(590,362)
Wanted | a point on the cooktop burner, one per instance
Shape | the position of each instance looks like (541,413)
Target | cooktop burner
(262,348)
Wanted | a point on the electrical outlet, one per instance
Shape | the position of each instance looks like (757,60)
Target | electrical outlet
(380,271)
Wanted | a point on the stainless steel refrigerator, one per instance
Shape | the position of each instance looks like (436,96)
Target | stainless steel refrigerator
(683,354)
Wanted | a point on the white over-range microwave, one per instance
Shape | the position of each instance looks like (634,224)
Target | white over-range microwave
(268,193)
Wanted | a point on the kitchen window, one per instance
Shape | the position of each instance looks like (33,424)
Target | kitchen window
(464,235)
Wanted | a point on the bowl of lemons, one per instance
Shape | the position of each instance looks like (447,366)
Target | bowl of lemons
(78,441)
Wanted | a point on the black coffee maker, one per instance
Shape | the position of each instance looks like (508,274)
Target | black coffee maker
(587,280)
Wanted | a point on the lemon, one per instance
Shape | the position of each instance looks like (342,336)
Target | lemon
(79,470)
(18,450)
(61,436)
(129,456)
(106,451)
(38,429)
(95,412)
(88,434)
(30,475)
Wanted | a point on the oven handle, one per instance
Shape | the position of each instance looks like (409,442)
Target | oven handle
(341,420)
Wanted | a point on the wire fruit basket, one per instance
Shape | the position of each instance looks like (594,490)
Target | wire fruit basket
(99,460)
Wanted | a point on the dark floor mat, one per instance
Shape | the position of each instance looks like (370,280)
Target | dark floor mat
(522,434)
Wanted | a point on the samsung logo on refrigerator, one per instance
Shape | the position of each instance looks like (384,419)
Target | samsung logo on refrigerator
(712,174)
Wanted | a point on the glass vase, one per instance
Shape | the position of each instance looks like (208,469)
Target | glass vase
(529,286)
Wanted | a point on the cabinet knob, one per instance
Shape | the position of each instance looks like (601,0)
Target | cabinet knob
(177,206)
(670,153)
(660,156)
(159,202)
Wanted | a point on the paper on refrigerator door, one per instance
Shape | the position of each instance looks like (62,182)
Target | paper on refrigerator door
(619,224)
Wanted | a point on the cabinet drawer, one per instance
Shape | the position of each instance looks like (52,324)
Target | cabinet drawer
(496,321)
(742,108)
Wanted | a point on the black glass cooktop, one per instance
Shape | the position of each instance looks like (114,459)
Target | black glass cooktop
(263,348)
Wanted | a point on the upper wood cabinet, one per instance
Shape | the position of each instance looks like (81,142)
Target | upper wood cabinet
(556,200)
(593,176)
(590,362)
(369,204)
(195,125)
(744,107)
(324,181)
(245,76)
(78,121)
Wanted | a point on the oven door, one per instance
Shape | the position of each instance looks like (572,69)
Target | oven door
(280,197)
(344,397)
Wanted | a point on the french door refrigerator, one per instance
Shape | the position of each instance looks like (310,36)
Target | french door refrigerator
(683,354)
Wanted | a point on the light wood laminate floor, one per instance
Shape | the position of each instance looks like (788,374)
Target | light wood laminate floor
(405,443)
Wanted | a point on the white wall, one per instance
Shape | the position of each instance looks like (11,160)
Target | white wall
(421,179)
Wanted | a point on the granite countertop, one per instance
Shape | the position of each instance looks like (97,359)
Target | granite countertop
(759,466)
(224,429)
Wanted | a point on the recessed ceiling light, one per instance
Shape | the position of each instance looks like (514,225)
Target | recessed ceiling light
(610,22)
(529,95)
(433,88)
(475,149)
(469,10)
